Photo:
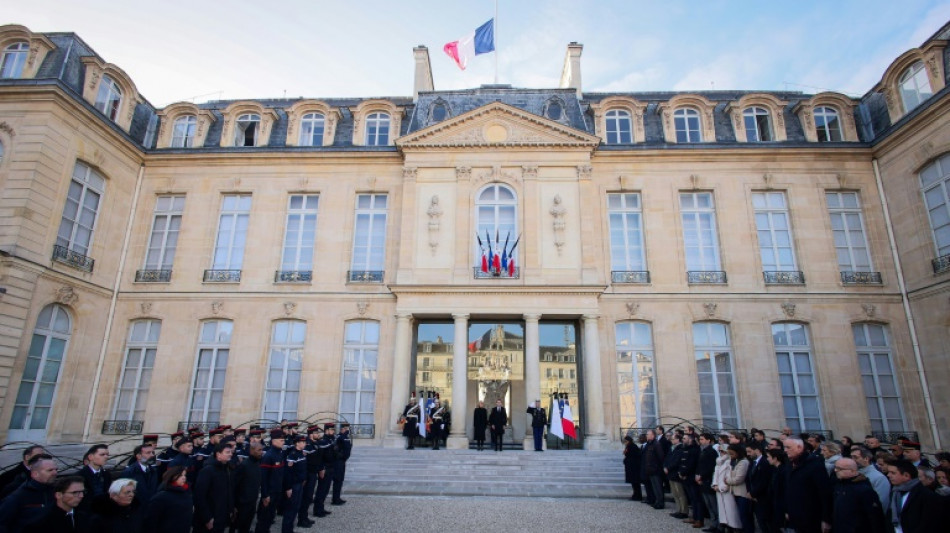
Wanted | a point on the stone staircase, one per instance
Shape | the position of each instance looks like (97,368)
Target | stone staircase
(552,473)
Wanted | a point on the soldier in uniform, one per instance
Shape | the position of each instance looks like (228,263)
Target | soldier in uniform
(199,452)
(247,488)
(410,428)
(272,481)
(294,477)
(185,447)
(328,448)
(240,446)
(315,471)
(344,447)
(539,419)
(437,415)
(162,459)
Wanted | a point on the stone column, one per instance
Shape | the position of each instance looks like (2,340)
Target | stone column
(532,369)
(459,408)
(595,437)
(402,365)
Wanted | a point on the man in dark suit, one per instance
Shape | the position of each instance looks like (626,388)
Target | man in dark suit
(653,456)
(93,472)
(145,475)
(705,470)
(759,482)
(497,420)
(913,507)
(16,476)
(807,490)
(62,517)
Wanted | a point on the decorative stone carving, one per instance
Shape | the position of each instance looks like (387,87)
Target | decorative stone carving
(409,173)
(767,178)
(66,295)
(932,69)
(94,78)
(463,173)
(789,309)
(710,309)
(694,180)
(289,308)
(558,211)
(632,308)
(584,172)
(216,307)
(146,307)
(361,307)
(34,51)
(496,174)
(435,221)
(529,172)
(840,178)
(869,310)
(8,129)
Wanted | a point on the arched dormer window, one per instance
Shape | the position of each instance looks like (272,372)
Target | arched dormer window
(183,125)
(377,129)
(311,123)
(2,152)
(914,86)
(246,129)
(619,120)
(686,122)
(554,110)
(438,112)
(827,117)
(14,59)
(619,130)
(376,123)
(22,51)
(111,91)
(109,98)
(312,126)
(912,78)
(758,117)
(496,208)
(688,118)
(758,125)
(247,124)
(827,124)
(183,132)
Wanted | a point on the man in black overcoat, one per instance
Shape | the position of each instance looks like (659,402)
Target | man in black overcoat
(497,420)
(214,492)
(479,425)
(807,490)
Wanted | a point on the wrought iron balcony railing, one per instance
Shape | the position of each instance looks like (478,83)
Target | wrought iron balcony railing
(365,276)
(66,256)
(363,431)
(122,427)
(784,277)
(153,276)
(706,276)
(222,276)
(895,436)
(861,278)
(941,264)
(630,276)
(293,276)
(496,274)
(202,426)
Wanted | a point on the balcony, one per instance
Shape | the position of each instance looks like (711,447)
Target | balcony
(941,264)
(784,277)
(293,276)
(895,436)
(363,431)
(205,427)
(365,276)
(630,276)
(706,276)
(495,274)
(860,278)
(64,255)
(222,276)
(122,427)
(153,276)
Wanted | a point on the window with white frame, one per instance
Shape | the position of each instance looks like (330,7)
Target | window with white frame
(81,209)
(300,234)
(163,241)
(935,185)
(636,374)
(232,232)
(140,348)
(311,129)
(150,130)
(14,59)
(283,372)
(377,129)
(796,374)
(246,129)
(879,377)
(847,229)
(207,389)
(619,127)
(496,207)
(827,124)
(358,382)
(625,217)
(369,238)
(686,122)
(109,97)
(717,388)
(914,86)
(774,231)
(44,360)
(183,132)
(698,212)
(758,124)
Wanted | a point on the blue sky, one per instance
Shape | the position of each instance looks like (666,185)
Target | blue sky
(199,50)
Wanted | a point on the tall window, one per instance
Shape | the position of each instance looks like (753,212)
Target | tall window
(879,377)
(797,376)
(183,133)
(827,124)
(207,389)
(935,185)
(136,376)
(497,211)
(758,125)
(283,373)
(246,129)
(619,129)
(774,231)
(626,232)
(232,232)
(358,383)
(311,129)
(81,209)
(34,398)
(717,388)
(698,213)
(109,97)
(847,228)
(369,238)
(301,233)
(164,237)
(636,374)
(687,125)
(914,86)
(2,151)
(14,58)
(377,129)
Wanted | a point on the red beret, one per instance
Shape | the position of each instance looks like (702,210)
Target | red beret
(276,434)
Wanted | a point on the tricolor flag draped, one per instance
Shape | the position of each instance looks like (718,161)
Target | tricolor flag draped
(556,428)
(567,420)
(422,416)
(480,41)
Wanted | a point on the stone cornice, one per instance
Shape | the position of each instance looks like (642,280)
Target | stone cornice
(492,288)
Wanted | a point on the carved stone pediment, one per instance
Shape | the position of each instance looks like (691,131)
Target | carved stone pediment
(497,125)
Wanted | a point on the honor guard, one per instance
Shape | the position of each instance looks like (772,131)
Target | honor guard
(437,427)
(272,481)
(328,448)
(344,447)
(539,419)
(185,447)
(207,451)
(198,453)
(410,428)
(162,459)
(240,446)
(295,475)
(315,470)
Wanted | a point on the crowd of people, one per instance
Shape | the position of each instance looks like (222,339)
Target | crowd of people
(193,485)
(738,482)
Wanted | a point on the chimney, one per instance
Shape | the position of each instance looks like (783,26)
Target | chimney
(571,74)
(423,76)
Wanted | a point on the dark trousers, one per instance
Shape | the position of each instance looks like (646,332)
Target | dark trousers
(763,515)
(656,481)
(745,514)
(637,490)
(695,499)
(712,507)
(242,522)
(323,488)
(339,472)
(496,439)
(651,496)
(291,507)
(309,487)
(265,515)
(538,438)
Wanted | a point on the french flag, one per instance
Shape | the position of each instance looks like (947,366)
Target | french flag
(480,41)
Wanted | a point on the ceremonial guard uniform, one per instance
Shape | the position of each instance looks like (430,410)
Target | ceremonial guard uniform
(328,447)
(344,447)
(539,419)
(184,459)
(315,468)
(437,415)
(162,459)
(294,477)
(410,428)
(272,481)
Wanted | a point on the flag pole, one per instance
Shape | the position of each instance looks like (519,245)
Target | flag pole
(495,36)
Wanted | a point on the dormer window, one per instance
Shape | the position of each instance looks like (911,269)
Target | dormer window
(14,58)
(245,130)
(758,125)
(109,98)
(618,127)
(914,86)
(439,112)
(686,123)
(183,135)
(827,124)
(377,129)
(555,111)
(312,126)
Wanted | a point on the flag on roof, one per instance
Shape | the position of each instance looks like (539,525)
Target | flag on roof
(480,41)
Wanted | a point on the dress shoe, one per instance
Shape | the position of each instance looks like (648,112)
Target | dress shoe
(678,515)
(711,530)
(321,514)
(338,502)
(697,524)
(305,523)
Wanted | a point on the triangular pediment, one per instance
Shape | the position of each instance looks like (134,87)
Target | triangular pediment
(497,125)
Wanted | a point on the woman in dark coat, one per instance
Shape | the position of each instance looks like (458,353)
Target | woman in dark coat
(117,511)
(480,424)
(171,510)
(631,467)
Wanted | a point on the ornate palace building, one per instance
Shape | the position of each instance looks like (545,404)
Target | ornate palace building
(736,259)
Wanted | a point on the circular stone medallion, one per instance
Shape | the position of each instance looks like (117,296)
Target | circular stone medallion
(496,133)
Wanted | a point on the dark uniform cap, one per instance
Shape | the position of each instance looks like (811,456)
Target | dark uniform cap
(910,445)
(241,431)
(276,434)
(345,425)
(314,429)
(147,438)
(225,427)
(177,434)
(290,424)
(194,429)
(329,425)
(300,438)
(216,431)
(197,435)
(256,432)
(227,439)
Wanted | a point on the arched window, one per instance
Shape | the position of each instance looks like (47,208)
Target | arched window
(44,361)
(283,374)
(311,129)
(914,86)
(358,382)
(246,128)
(377,129)
(879,376)
(636,373)
(207,389)
(758,125)
(109,98)
(827,124)
(14,58)
(497,212)
(183,134)
(687,125)
(796,374)
(935,186)
(717,387)
(140,348)
(619,127)
(555,110)
(439,112)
